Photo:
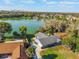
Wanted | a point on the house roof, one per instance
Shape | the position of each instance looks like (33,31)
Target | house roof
(49,40)
(41,35)
(12,48)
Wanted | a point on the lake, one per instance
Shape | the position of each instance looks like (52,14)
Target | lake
(32,25)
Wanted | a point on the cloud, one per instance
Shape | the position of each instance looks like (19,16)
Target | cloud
(67,2)
(68,7)
(49,2)
(9,2)
(61,5)
(52,2)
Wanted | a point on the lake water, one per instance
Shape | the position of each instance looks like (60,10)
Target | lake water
(32,25)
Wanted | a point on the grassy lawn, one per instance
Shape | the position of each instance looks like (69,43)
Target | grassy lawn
(9,39)
(58,52)
(67,42)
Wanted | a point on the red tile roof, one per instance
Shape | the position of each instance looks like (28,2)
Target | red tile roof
(16,49)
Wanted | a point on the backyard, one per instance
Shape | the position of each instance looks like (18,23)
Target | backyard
(58,52)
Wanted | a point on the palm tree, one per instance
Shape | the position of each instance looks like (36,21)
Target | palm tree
(23,30)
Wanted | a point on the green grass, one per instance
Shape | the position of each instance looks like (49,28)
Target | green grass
(67,42)
(58,52)
(8,39)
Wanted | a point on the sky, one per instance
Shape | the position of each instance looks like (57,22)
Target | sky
(41,5)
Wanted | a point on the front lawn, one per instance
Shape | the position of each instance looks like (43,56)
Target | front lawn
(58,52)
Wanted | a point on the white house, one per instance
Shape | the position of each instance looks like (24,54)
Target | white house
(43,41)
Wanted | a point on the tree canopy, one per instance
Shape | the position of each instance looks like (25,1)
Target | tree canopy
(5,27)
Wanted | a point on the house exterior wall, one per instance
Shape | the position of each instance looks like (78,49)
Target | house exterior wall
(37,51)
(58,40)
(51,45)
(38,43)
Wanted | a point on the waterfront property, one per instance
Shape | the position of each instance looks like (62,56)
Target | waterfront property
(44,41)
(44,46)
(12,50)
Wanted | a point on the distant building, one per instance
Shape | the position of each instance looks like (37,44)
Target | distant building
(44,41)
(12,50)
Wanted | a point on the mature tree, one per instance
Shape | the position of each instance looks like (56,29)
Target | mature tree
(52,26)
(63,27)
(74,40)
(23,30)
(73,28)
(4,28)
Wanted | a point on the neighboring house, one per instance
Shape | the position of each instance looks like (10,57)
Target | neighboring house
(12,50)
(44,41)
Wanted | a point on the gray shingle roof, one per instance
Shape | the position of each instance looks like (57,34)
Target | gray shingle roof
(48,40)
(41,35)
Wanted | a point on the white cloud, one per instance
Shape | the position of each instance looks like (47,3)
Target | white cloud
(8,2)
(60,2)
(67,2)
(49,2)
(52,2)
(66,6)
